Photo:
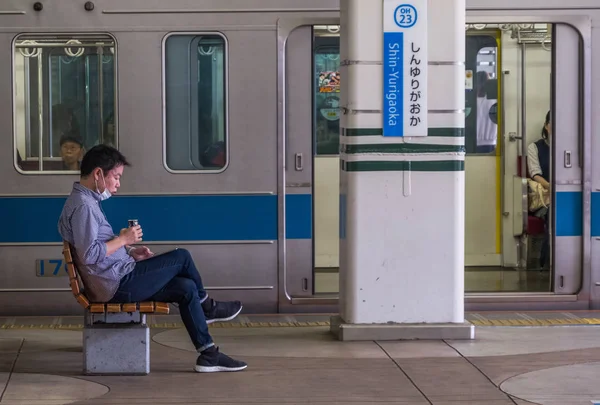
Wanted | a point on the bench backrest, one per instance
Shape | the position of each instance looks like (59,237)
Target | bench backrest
(74,281)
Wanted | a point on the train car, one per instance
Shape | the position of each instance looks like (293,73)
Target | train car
(229,114)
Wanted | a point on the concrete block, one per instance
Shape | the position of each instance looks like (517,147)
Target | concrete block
(357,332)
(119,317)
(116,349)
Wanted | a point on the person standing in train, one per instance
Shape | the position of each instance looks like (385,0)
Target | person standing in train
(487,130)
(112,270)
(538,162)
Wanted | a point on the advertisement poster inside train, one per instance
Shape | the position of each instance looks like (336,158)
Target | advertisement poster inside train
(329,82)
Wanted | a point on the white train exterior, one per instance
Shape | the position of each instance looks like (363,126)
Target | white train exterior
(230,117)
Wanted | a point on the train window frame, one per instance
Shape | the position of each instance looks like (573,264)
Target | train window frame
(494,34)
(319,36)
(226,123)
(59,36)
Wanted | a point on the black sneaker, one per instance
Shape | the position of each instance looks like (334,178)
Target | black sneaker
(215,311)
(212,361)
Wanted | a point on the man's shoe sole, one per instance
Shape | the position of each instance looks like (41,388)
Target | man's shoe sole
(216,369)
(209,321)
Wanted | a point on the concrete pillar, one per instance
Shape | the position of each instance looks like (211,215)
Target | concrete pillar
(402,184)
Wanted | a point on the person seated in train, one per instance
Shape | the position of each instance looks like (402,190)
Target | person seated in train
(538,156)
(487,130)
(113,270)
(71,151)
(538,162)
(214,156)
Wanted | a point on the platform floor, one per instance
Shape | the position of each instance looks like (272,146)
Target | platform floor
(294,360)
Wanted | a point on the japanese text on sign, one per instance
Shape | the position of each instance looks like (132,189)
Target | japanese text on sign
(405,68)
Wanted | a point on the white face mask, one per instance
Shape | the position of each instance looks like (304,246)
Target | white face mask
(105,195)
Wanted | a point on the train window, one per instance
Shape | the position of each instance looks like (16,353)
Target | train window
(481,94)
(64,98)
(327,88)
(195,106)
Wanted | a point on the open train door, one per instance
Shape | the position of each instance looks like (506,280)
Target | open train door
(295,151)
(544,65)
(570,222)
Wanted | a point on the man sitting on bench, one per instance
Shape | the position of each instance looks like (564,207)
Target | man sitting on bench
(114,271)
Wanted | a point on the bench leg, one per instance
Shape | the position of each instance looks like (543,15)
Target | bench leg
(116,349)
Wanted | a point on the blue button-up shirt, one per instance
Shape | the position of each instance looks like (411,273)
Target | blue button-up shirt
(83,224)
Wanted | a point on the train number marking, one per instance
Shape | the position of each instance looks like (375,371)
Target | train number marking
(51,268)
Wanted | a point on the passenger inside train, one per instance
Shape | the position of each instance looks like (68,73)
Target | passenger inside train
(112,270)
(71,152)
(487,130)
(538,162)
(538,156)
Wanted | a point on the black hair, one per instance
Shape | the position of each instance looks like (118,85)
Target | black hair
(103,156)
(71,138)
(544,130)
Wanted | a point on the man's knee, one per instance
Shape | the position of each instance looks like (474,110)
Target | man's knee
(182,290)
(183,254)
(190,290)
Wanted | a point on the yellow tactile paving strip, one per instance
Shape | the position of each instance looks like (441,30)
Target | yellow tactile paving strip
(481,321)
(174,325)
(536,322)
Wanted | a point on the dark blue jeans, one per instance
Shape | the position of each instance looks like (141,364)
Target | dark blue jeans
(170,277)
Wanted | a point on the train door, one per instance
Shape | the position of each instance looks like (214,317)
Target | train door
(523,85)
(483,160)
(310,201)
(326,133)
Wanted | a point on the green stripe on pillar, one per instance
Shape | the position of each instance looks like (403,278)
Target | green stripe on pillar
(388,166)
(441,132)
(401,148)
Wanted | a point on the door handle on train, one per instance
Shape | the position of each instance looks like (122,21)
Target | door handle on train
(299,162)
(513,137)
(568,163)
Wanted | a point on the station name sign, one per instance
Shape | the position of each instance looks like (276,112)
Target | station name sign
(405,68)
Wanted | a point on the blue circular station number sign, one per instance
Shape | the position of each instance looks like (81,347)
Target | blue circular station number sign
(405,16)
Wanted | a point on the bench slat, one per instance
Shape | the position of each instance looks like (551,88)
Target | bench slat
(113,308)
(97,308)
(130,307)
(161,307)
(147,307)
(67,252)
(71,271)
(83,301)
(75,287)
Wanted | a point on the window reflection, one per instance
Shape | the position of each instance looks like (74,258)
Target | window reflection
(64,92)
(327,85)
(195,102)
(481,126)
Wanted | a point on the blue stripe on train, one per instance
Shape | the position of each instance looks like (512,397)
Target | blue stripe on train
(569,218)
(185,218)
(174,218)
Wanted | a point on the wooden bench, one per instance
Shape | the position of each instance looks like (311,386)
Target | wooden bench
(146,307)
(116,337)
